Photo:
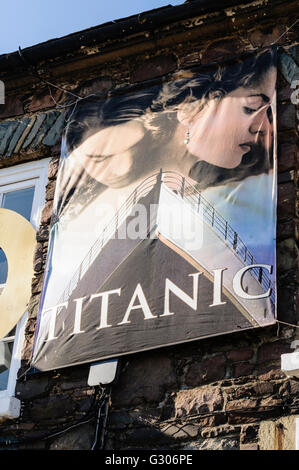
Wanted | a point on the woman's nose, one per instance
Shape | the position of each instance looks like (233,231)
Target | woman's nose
(260,123)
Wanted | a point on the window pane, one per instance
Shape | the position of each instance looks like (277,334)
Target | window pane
(5,359)
(3,268)
(19,201)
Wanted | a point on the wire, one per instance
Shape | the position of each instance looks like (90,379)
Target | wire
(289,324)
(104,401)
(272,44)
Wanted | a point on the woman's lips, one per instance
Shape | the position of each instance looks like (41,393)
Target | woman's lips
(246,147)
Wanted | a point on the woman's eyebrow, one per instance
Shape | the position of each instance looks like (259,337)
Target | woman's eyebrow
(264,97)
(99,157)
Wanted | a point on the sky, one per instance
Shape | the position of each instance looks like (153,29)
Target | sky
(27,22)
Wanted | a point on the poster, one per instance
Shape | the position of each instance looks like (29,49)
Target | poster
(164,221)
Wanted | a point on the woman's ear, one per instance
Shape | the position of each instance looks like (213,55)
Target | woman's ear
(187,111)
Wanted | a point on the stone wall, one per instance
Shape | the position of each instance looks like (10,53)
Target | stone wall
(208,394)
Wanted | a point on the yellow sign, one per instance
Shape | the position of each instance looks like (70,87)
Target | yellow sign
(17,240)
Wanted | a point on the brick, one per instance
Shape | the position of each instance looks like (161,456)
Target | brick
(207,371)
(13,107)
(287,153)
(153,68)
(272,351)
(239,355)
(243,369)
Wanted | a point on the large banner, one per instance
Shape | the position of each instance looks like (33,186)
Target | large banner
(164,218)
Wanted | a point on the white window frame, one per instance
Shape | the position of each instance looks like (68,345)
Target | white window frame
(21,177)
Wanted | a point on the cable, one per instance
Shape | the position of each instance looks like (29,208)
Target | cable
(104,402)
(46,436)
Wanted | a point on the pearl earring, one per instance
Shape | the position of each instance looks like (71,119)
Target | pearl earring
(187,137)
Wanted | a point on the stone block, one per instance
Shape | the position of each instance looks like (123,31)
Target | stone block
(55,132)
(155,67)
(17,136)
(197,401)
(50,190)
(44,100)
(47,212)
(51,408)
(287,156)
(80,438)
(286,200)
(35,128)
(53,169)
(32,389)
(222,49)
(287,253)
(260,38)
(7,130)
(13,107)
(243,369)
(239,355)
(144,380)
(206,371)
(95,86)
(286,116)
(272,351)
(249,433)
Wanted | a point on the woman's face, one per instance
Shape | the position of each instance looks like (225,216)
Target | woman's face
(108,154)
(228,128)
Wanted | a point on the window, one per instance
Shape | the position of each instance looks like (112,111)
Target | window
(22,189)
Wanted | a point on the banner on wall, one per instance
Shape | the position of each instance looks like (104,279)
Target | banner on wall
(164,220)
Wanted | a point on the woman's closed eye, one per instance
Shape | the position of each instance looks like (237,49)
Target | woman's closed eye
(254,103)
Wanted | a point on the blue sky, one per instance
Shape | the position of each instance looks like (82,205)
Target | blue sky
(27,22)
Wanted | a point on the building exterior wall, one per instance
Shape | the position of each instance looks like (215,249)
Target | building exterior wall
(209,394)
